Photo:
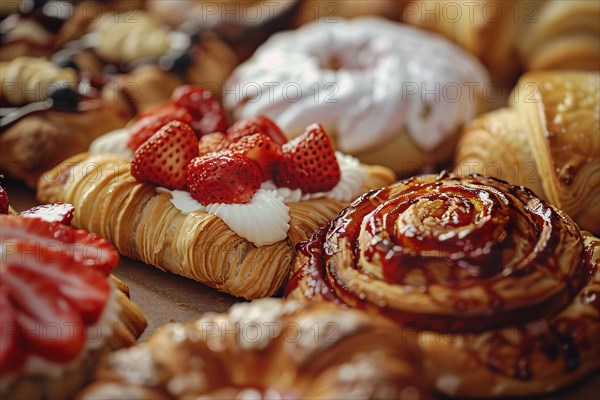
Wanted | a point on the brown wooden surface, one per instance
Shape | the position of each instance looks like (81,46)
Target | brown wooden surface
(165,297)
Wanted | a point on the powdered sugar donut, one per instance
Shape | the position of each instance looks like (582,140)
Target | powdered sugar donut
(387,92)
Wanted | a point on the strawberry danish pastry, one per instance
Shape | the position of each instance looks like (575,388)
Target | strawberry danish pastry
(60,309)
(223,208)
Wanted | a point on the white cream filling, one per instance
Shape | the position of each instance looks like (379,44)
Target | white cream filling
(114,142)
(265,219)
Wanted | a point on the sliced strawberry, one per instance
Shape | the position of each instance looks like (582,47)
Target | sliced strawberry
(261,149)
(85,288)
(207,113)
(212,142)
(56,212)
(12,355)
(148,125)
(223,178)
(163,159)
(258,124)
(3,201)
(50,326)
(309,163)
(83,249)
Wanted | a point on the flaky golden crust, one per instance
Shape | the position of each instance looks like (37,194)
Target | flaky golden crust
(510,35)
(499,288)
(548,140)
(270,349)
(144,225)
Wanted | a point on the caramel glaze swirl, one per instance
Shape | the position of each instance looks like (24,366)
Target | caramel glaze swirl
(509,278)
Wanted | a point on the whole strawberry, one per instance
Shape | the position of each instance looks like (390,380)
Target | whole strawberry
(164,157)
(258,124)
(3,201)
(207,113)
(149,123)
(212,142)
(309,163)
(223,177)
(261,149)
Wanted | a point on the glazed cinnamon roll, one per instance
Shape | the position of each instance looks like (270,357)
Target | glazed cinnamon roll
(500,287)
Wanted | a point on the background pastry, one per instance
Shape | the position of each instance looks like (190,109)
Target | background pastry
(61,311)
(494,282)
(509,36)
(548,139)
(388,93)
(39,28)
(353,355)
(53,113)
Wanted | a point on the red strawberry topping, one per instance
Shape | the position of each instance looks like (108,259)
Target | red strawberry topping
(12,355)
(259,124)
(223,178)
(163,159)
(56,212)
(81,248)
(148,124)
(207,113)
(309,163)
(212,142)
(3,201)
(261,149)
(53,285)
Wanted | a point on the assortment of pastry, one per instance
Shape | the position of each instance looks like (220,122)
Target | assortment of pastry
(145,137)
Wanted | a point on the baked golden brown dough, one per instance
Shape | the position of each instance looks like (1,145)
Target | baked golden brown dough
(548,140)
(512,35)
(267,349)
(500,288)
(144,224)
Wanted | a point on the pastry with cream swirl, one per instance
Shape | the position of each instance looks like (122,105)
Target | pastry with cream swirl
(498,285)
(174,232)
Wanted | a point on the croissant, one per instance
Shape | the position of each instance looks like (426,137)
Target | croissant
(145,225)
(511,35)
(548,140)
(266,349)
(499,287)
